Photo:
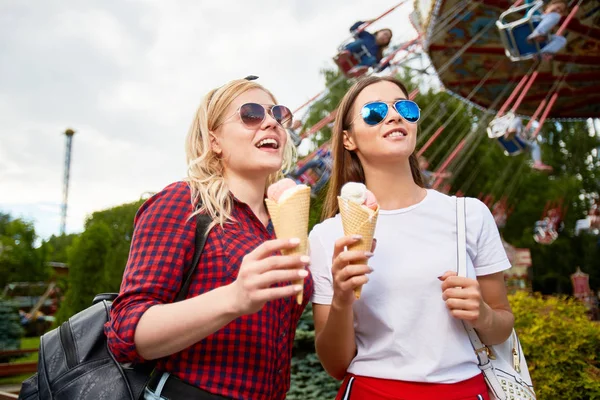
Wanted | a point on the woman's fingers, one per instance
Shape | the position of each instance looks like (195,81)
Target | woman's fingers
(460,293)
(272,277)
(353,282)
(465,315)
(446,275)
(281,262)
(340,244)
(350,271)
(269,247)
(275,293)
(462,304)
(348,257)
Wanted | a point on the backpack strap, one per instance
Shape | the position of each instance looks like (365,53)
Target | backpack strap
(203,221)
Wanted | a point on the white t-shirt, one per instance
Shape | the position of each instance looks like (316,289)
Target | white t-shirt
(403,329)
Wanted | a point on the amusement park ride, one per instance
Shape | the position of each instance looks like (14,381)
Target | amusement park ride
(481,54)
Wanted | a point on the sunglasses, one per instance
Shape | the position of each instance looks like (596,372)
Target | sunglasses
(375,113)
(253,114)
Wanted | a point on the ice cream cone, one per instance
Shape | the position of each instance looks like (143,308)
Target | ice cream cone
(290,220)
(358,220)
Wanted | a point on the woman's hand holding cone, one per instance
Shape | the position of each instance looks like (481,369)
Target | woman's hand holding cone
(347,271)
(261,270)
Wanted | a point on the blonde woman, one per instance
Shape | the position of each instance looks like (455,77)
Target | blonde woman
(232,337)
(404,338)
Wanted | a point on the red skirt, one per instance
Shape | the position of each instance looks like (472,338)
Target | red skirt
(357,387)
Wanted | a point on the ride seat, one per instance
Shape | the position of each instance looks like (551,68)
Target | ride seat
(514,33)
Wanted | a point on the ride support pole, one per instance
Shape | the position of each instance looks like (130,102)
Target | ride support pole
(536,114)
(320,125)
(308,102)
(545,114)
(567,20)
(430,141)
(513,95)
(391,56)
(367,24)
(451,157)
(525,90)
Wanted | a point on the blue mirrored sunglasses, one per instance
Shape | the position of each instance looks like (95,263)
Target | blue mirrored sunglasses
(374,113)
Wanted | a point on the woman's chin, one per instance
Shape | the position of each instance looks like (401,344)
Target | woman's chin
(267,168)
(392,155)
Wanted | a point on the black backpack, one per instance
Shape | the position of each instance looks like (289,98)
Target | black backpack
(75,361)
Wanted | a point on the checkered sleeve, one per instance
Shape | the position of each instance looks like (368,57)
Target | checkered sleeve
(161,247)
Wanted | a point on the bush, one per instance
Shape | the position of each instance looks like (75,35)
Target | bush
(10,328)
(561,345)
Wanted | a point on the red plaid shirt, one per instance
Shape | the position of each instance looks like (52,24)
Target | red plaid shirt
(248,358)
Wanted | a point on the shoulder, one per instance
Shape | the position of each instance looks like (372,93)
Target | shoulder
(327,230)
(174,201)
(476,206)
(477,212)
(472,204)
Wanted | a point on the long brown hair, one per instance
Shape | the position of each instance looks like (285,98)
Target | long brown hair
(346,164)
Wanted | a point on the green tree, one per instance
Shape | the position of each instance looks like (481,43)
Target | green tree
(120,222)
(18,259)
(87,258)
(97,257)
(55,248)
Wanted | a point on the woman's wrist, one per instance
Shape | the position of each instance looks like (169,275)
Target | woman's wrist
(486,317)
(231,307)
(339,304)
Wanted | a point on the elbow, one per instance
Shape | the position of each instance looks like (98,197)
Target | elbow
(334,369)
(122,351)
(334,366)
(339,375)
(144,346)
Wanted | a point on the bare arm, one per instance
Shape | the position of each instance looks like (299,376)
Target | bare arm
(498,320)
(334,338)
(482,302)
(334,324)
(166,329)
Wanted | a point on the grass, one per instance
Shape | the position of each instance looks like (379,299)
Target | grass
(26,343)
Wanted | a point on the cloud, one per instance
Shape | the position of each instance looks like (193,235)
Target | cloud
(127,76)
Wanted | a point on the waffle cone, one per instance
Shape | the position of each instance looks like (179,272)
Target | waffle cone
(290,220)
(358,220)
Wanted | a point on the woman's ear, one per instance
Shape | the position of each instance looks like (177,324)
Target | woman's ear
(214,144)
(348,141)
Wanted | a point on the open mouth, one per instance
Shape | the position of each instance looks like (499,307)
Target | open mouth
(398,132)
(268,143)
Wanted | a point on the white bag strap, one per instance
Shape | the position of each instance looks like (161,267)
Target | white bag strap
(481,350)
(461,231)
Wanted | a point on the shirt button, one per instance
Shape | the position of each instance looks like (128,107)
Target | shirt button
(283,334)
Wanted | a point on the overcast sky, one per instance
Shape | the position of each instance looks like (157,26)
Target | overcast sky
(127,76)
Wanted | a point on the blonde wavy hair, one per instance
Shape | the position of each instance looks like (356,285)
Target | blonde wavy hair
(205,174)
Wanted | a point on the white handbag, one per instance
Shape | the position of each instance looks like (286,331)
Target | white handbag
(503,365)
